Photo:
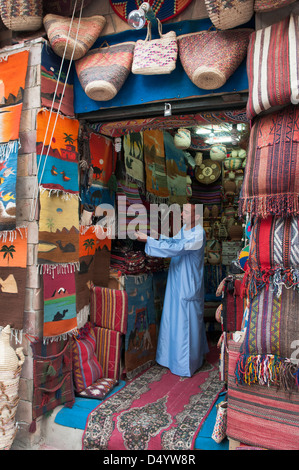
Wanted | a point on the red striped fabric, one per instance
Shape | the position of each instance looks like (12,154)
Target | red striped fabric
(108,351)
(261,416)
(272,67)
(109,308)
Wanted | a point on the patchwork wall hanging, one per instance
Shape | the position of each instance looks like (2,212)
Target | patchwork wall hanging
(271,180)
(155,166)
(273,255)
(133,155)
(50,66)
(141,336)
(268,352)
(13,261)
(60,314)
(57,158)
(176,170)
(58,230)
(13,70)
(272,67)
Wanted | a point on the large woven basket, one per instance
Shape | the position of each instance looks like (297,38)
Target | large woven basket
(269,5)
(209,58)
(227,14)
(10,372)
(22,15)
(103,71)
(60,35)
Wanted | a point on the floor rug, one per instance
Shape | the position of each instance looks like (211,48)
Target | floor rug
(155,411)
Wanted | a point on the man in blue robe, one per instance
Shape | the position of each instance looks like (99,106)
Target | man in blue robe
(182,342)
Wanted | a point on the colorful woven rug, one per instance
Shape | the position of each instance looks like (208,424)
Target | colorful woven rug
(131,210)
(176,169)
(101,158)
(268,352)
(50,66)
(57,165)
(233,304)
(164,10)
(258,415)
(13,70)
(13,262)
(155,166)
(60,314)
(273,255)
(271,181)
(133,155)
(141,336)
(155,411)
(58,229)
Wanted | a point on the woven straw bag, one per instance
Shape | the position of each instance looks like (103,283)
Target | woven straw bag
(58,30)
(269,5)
(227,14)
(209,58)
(22,15)
(10,371)
(103,71)
(155,56)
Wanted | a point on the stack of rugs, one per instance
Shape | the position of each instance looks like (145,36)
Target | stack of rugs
(263,395)
(130,261)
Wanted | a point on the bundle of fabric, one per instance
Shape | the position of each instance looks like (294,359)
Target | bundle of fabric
(13,72)
(153,264)
(267,352)
(271,181)
(272,67)
(273,255)
(259,415)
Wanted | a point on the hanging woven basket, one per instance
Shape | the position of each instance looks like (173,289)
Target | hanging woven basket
(60,35)
(22,15)
(227,14)
(209,58)
(10,372)
(103,71)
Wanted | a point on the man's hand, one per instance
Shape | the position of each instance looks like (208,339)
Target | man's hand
(141,237)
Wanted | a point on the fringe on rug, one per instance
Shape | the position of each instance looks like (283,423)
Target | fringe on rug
(62,336)
(64,268)
(7,148)
(11,235)
(82,316)
(16,335)
(59,192)
(267,369)
(277,278)
(263,206)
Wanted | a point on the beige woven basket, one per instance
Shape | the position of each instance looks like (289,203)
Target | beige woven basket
(11,362)
(60,35)
(229,14)
(22,15)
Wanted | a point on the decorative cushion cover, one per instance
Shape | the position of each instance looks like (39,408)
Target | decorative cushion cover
(86,368)
(99,389)
(109,308)
(108,351)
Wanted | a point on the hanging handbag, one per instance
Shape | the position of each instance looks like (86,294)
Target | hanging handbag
(155,56)
(229,14)
(22,15)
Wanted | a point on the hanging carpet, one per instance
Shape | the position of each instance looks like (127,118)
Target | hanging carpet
(176,169)
(58,165)
(172,407)
(271,181)
(133,155)
(155,166)
(13,261)
(13,70)
(50,66)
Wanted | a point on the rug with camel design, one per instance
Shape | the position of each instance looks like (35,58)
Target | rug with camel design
(155,411)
